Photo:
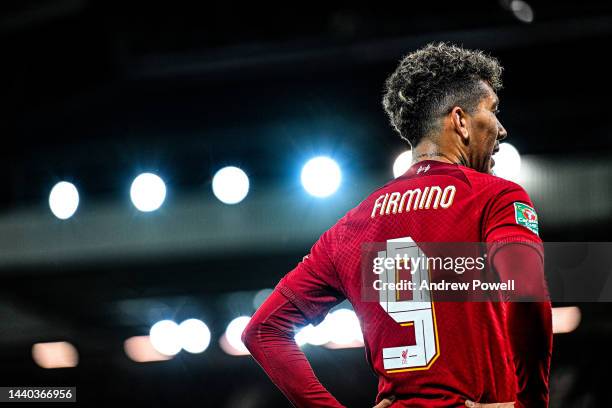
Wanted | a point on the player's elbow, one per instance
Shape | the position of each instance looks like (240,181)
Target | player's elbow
(249,335)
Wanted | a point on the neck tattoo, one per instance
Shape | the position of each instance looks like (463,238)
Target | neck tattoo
(438,154)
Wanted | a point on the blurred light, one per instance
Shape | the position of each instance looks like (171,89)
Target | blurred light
(402,163)
(507,162)
(321,176)
(148,192)
(63,200)
(261,297)
(315,335)
(233,334)
(522,11)
(344,327)
(59,354)
(229,349)
(339,329)
(194,335)
(140,350)
(165,337)
(230,185)
(565,319)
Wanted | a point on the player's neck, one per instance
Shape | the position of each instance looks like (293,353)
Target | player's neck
(430,150)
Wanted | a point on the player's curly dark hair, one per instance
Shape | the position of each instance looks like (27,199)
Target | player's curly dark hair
(429,82)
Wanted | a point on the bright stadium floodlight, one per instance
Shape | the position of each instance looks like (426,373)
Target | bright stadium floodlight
(165,337)
(230,185)
(314,335)
(59,354)
(522,11)
(140,350)
(565,319)
(402,163)
(63,200)
(148,192)
(344,327)
(194,336)
(233,335)
(339,329)
(507,162)
(321,176)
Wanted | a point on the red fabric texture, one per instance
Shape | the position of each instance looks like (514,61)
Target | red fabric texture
(529,322)
(269,337)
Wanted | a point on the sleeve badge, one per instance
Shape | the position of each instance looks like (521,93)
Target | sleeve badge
(526,216)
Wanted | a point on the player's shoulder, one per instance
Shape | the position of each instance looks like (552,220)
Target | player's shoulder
(491,185)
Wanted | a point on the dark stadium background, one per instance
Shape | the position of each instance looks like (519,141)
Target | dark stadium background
(95,92)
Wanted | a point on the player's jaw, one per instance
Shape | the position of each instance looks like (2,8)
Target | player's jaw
(493,152)
(501,135)
(486,132)
(484,142)
(492,159)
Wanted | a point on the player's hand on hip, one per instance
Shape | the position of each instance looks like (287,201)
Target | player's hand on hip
(473,404)
(385,403)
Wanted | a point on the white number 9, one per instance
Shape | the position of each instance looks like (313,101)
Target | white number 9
(419,311)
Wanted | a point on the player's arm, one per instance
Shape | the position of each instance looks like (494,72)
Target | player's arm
(303,296)
(529,322)
(270,339)
(516,253)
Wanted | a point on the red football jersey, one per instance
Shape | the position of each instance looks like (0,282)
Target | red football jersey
(439,354)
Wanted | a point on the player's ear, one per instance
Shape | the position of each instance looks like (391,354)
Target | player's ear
(459,122)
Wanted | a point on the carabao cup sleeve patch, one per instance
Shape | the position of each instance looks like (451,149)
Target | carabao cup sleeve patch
(526,216)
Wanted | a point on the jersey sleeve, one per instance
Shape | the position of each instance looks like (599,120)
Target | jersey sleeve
(314,286)
(511,218)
